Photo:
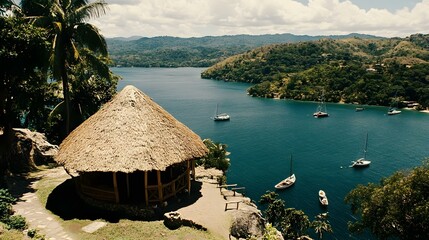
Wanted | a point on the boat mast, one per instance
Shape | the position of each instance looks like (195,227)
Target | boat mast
(323,101)
(291,165)
(366,146)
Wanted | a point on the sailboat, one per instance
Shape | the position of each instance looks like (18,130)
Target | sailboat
(289,181)
(393,111)
(220,116)
(321,109)
(362,162)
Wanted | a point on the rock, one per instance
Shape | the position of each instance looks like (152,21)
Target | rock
(247,224)
(41,145)
(172,220)
(31,149)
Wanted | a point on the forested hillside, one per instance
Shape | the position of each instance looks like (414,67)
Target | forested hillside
(193,52)
(353,70)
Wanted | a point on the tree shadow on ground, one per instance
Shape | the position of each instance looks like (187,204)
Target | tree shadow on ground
(21,184)
(65,202)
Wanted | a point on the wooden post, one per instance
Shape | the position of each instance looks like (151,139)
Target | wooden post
(160,197)
(193,169)
(128,186)
(115,187)
(188,176)
(145,189)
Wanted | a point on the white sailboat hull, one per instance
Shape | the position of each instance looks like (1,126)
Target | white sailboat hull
(320,114)
(393,112)
(221,117)
(362,162)
(287,182)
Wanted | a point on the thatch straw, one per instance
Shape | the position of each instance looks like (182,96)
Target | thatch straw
(129,133)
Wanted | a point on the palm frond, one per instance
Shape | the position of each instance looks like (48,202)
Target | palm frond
(89,36)
(91,10)
(99,65)
(57,11)
(75,52)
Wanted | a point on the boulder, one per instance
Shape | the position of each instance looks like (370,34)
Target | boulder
(31,149)
(247,224)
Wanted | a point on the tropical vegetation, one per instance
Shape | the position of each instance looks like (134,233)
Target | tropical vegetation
(73,40)
(6,212)
(354,70)
(291,222)
(396,208)
(217,156)
(55,68)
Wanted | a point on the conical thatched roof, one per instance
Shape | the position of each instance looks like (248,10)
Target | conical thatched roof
(129,133)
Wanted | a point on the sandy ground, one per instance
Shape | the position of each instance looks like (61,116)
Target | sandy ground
(209,210)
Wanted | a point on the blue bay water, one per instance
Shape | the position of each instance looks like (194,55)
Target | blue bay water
(263,133)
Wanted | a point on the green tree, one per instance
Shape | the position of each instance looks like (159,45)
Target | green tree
(73,39)
(89,90)
(292,223)
(217,156)
(321,225)
(23,85)
(398,207)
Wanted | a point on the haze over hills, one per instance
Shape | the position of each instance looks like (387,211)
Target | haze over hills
(166,51)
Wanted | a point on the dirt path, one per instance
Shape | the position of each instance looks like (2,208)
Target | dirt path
(29,206)
(209,211)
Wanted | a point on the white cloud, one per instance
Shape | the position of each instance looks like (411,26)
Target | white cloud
(195,18)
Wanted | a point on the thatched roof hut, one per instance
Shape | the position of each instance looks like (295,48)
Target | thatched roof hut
(130,134)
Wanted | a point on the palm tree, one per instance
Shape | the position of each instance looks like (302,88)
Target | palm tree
(217,156)
(73,39)
(321,225)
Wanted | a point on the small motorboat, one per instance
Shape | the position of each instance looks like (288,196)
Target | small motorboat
(323,199)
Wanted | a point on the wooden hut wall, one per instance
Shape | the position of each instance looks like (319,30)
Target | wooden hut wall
(139,186)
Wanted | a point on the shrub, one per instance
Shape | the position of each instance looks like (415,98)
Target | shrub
(6,200)
(221,180)
(34,234)
(17,222)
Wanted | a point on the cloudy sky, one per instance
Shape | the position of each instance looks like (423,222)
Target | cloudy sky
(196,18)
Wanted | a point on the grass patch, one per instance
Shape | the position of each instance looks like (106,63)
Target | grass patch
(45,187)
(9,234)
(127,229)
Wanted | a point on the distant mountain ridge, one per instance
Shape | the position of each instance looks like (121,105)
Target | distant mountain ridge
(166,51)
